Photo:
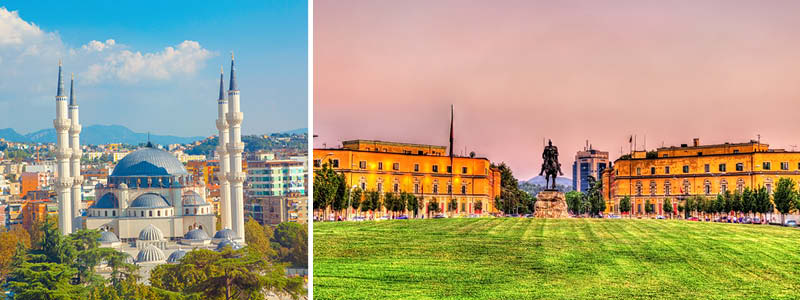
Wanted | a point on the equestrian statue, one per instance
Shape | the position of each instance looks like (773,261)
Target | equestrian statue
(550,167)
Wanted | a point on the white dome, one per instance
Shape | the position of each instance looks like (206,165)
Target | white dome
(151,233)
(150,254)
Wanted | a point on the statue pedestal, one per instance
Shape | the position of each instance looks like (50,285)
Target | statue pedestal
(551,204)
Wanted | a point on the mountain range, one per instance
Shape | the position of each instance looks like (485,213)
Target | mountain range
(540,180)
(107,134)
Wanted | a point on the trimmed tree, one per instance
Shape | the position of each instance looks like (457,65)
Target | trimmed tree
(785,196)
(625,205)
(667,207)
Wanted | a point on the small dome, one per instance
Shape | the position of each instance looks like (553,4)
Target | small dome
(193,199)
(196,234)
(151,233)
(225,234)
(176,256)
(149,254)
(109,200)
(231,243)
(149,200)
(108,237)
(149,162)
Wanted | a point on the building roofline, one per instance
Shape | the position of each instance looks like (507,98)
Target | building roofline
(396,153)
(392,143)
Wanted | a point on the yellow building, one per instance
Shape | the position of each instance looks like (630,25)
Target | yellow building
(423,170)
(675,173)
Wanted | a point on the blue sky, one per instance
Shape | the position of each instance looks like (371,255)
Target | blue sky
(154,66)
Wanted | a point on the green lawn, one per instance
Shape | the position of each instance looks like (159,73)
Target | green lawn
(511,258)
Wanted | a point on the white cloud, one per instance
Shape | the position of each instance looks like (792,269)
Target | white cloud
(99,46)
(30,54)
(128,66)
(14,30)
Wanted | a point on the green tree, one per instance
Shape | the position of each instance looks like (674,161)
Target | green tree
(625,205)
(478,206)
(509,189)
(230,274)
(595,198)
(574,201)
(355,198)
(411,202)
(648,207)
(433,207)
(453,205)
(291,241)
(784,197)
(748,203)
(326,186)
(259,238)
(667,207)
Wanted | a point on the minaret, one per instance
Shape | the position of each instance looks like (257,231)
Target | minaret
(63,152)
(224,158)
(235,148)
(75,158)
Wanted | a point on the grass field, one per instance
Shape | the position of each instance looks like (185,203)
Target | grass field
(511,258)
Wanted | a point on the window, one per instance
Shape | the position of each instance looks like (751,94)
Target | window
(113,213)
(158,213)
(317,163)
(723,167)
(106,213)
(150,213)
(464,189)
(638,171)
(435,188)
(652,170)
(416,167)
(463,170)
(363,186)
(666,170)
(667,188)
(449,169)
(767,165)
(435,168)
(739,167)
(396,187)
(707,168)
(416,188)
(142,213)
(362,164)
(653,188)
(664,155)
(769,188)
(685,169)
(449,188)
(396,166)
(735,150)
(707,187)
(380,165)
(785,165)
(638,188)
(699,153)
(723,186)
(463,207)
(335,163)
(380,187)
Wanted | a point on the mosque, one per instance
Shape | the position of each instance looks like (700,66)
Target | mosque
(151,206)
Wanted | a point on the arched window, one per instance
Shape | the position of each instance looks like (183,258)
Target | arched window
(159,213)
(667,188)
(113,213)
(638,188)
(142,213)
(723,186)
(707,187)
(740,185)
(653,188)
(150,213)
(106,213)
(687,187)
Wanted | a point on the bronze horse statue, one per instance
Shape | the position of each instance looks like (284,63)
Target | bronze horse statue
(550,167)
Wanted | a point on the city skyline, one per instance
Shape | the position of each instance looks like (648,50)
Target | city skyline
(530,71)
(134,57)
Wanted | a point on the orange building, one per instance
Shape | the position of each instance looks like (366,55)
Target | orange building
(32,181)
(423,170)
(34,211)
(672,174)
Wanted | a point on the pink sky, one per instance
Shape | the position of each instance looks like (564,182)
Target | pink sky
(568,71)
